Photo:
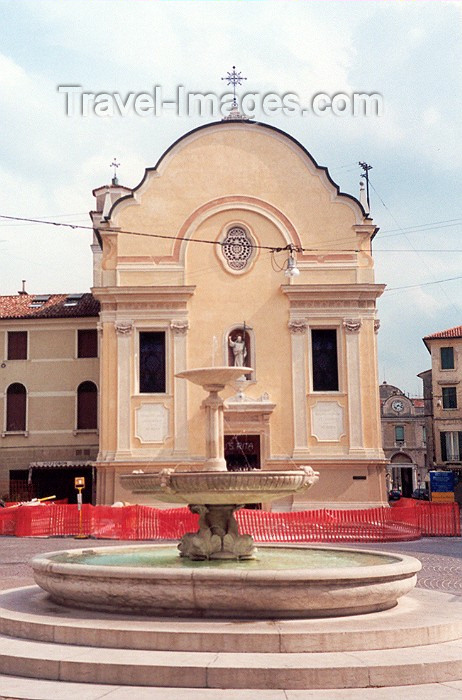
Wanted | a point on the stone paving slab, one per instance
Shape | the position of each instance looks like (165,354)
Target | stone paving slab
(26,689)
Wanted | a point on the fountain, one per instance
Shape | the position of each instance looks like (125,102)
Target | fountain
(214,493)
(218,572)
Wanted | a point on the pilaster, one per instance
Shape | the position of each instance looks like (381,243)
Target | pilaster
(297,330)
(124,330)
(179,329)
(352,329)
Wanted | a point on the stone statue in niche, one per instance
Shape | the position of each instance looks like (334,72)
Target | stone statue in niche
(239,350)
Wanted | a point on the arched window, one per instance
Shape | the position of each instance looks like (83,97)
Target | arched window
(87,406)
(16,402)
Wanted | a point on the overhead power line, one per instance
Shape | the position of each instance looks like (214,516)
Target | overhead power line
(275,249)
(423,284)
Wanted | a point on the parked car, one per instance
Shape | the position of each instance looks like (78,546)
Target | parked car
(421,494)
(394,495)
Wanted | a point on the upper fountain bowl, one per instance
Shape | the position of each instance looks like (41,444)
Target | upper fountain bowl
(213,376)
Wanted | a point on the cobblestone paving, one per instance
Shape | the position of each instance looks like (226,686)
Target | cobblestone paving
(441,558)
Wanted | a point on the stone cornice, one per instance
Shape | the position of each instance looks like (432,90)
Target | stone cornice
(173,297)
(335,294)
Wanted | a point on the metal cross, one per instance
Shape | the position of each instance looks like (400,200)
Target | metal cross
(114,165)
(234,78)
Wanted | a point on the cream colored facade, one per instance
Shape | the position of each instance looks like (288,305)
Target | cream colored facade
(445,415)
(51,375)
(248,175)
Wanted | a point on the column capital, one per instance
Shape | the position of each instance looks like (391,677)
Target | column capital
(376,325)
(179,327)
(123,327)
(352,325)
(297,326)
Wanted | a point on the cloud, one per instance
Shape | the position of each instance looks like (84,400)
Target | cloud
(409,52)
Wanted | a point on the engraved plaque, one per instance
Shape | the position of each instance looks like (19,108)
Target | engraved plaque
(151,422)
(327,421)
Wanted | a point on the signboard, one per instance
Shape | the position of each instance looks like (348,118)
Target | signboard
(442,487)
(443,497)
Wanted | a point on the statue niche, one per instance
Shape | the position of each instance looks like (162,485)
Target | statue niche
(239,349)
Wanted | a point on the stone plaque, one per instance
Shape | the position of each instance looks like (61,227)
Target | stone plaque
(327,421)
(151,422)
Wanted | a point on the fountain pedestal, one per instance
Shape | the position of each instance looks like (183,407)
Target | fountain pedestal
(214,436)
(218,535)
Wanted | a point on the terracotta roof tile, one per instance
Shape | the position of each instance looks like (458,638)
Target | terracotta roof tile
(19,306)
(455,332)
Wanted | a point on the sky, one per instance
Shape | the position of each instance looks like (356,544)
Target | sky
(408,52)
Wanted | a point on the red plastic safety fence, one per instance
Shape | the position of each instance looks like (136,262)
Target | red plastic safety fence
(434,519)
(139,522)
(372,525)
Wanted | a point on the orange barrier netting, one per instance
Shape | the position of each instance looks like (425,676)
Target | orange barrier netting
(139,522)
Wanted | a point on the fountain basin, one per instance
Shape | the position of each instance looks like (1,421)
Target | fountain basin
(220,487)
(282,583)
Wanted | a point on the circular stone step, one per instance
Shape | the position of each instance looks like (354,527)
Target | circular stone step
(432,663)
(421,617)
(227,655)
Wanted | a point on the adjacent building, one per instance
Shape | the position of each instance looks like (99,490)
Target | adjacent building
(443,395)
(404,431)
(49,378)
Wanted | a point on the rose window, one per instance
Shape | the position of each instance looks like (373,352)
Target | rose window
(237,248)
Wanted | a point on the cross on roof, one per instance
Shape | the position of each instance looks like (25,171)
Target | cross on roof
(234,78)
(114,165)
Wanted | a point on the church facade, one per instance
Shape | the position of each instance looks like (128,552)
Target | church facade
(237,248)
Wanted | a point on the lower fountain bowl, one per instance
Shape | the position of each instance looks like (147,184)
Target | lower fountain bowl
(283,582)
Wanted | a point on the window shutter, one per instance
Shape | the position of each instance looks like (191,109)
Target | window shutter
(16,401)
(17,345)
(87,342)
(447,357)
(444,453)
(87,406)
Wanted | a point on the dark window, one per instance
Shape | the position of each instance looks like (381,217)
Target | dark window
(17,345)
(20,488)
(87,406)
(399,433)
(451,446)
(447,358)
(449,397)
(16,400)
(152,363)
(325,369)
(87,343)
